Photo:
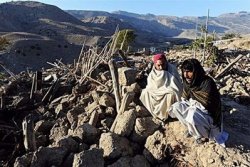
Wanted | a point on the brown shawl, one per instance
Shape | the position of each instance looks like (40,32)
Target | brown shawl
(203,89)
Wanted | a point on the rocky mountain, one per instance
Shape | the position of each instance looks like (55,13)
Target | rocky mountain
(39,33)
(173,26)
(29,25)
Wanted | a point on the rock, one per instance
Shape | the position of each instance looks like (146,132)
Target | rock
(110,111)
(143,128)
(125,123)
(122,162)
(114,146)
(46,156)
(23,161)
(43,126)
(107,122)
(106,100)
(87,133)
(141,111)
(155,148)
(137,161)
(68,161)
(126,76)
(59,130)
(135,87)
(68,143)
(42,140)
(89,158)
(72,114)
(82,118)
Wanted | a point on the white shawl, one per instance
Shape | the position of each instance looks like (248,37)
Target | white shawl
(163,89)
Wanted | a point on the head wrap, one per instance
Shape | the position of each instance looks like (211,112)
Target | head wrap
(159,57)
(198,71)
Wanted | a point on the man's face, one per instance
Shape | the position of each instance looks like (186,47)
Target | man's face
(188,75)
(160,65)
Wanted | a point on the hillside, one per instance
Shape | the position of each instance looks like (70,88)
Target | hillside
(174,26)
(26,24)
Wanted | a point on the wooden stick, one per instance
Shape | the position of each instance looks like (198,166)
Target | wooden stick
(229,66)
(1,102)
(94,118)
(8,71)
(114,75)
(121,53)
(28,133)
(33,86)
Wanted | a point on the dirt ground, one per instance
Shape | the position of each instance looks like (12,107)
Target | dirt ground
(236,153)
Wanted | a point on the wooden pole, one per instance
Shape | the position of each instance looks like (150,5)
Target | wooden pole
(205,39)
(114,75)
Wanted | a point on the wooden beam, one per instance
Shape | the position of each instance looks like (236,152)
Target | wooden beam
(229,66)
(114,76)
(28,133)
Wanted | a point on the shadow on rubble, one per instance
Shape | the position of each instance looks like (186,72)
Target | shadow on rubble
(236,123)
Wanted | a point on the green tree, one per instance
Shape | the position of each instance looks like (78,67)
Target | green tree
(125,38)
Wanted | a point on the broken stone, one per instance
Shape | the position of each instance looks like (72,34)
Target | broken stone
(137,161)
(68,161)
(43,126)
(125,123)
(93,157)
(110,111)
(48,156)
(106,100)
(72,114)
(87,133)
(107,122)
(114,146)
(68,143)
(141,111)
(42,140)
(24,160)
(59,130)
(126,76)
(155,148)
(135,87)
(82,119)
(143,128)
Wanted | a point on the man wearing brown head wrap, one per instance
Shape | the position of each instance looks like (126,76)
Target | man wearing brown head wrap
(200,108)
(163,88)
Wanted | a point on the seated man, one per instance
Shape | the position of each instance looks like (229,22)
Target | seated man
(163,88)
(200,108)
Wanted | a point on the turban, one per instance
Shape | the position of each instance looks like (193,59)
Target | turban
(159,57)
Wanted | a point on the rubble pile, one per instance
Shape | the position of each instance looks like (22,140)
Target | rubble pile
(53,118)
(50,120)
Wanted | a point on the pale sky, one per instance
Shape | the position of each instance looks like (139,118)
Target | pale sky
(157,7)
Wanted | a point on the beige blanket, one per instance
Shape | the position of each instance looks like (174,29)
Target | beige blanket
(163,89)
